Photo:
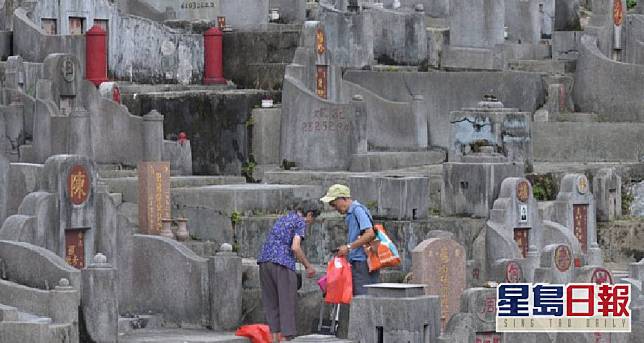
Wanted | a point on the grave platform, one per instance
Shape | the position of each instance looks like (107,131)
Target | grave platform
(181,336)
(379,161)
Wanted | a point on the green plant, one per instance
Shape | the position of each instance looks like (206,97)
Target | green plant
(251,121)
(631,3)
(372,205)
(247,170)
(544,186)
(235,218)
(627,200)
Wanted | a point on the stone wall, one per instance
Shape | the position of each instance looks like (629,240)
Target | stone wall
(199,114)
(451,91)
(606,87)
(257,59)
(399,37)
(30,42)
(587,142)
(634,31)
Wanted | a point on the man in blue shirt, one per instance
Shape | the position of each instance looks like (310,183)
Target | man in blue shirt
(361,232)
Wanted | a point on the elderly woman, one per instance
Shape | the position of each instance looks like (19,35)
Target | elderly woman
(277,275)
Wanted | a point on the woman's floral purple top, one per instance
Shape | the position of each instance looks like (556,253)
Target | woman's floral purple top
(277,247)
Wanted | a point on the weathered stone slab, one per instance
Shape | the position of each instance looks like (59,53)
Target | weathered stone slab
(392,197)
(440,263)
(154,196)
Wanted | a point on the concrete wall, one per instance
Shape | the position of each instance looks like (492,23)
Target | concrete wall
(291,11)
(611,89)
(316,133)
(238,13)
(476,23)
(634,46)
(62,10)
(30,42)
(588,142)
(36,267)
(349,38)
(450,91)
(145,285)
(200,114)
(257,59)
(390,124)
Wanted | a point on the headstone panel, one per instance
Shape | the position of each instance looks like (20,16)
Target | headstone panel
(440,263)
(154,195)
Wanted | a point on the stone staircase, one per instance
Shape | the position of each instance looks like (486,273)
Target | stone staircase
(160,335)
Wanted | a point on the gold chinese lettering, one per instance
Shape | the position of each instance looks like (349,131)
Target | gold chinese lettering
(77,186)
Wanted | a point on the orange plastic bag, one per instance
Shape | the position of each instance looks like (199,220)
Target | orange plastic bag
(381,252)
(339,287)
(257,333)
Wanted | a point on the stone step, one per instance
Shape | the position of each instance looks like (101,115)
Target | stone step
(180,336)
(320,339)
(379,161)
(138,322)
(542,66)
(8,313)
(128,186)
(577,117)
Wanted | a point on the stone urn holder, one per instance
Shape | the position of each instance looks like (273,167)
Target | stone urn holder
(182,233)
(166,228)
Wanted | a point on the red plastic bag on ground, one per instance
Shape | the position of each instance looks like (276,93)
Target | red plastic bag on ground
(257,333)
(339,287)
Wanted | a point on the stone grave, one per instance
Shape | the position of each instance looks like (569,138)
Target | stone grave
(4,186)
(393,312)
(476,35)
(574,208)
(440,265)
(556,265)
(607,188)
(514,232)
(154,196)
(73,179)
(476,320)
(491,128)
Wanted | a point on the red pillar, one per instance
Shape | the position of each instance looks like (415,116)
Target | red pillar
(96,55)
(213,62)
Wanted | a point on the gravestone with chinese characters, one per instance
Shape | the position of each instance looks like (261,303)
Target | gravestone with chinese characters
(73,178)
(514,233)
(440,264)
(557,265)
(575,209)
(65,73)
(154,196)
(476,320)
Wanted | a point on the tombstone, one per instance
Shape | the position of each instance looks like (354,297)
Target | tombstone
(522,21)
(440,264)
(575,209)
(394,312)
(73,179)
(65,73)
(557,265)
(476,35)
(14,73)
(514,233)
(607,188)
(476,320)
(490,133)
(154,196)
(567,15)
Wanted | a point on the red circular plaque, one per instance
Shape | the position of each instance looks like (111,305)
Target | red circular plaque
(562,258)
(513,272)
(600,276)
(78,182)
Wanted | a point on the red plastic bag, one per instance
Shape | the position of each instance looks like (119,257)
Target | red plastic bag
(257,333)
(339,287)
